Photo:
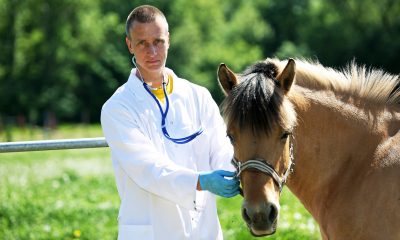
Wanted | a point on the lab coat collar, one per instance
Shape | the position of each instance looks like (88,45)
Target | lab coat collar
(136,85)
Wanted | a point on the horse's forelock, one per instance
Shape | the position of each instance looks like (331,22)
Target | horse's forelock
(268,69)
(254,103)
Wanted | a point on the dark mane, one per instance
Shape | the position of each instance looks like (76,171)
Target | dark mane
(255,102)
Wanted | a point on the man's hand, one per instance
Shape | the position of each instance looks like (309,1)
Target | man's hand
(216,183)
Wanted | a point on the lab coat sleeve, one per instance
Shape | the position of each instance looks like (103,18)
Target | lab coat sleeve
(221,151)
(142,162)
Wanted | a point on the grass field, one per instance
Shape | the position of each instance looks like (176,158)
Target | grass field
(71,194)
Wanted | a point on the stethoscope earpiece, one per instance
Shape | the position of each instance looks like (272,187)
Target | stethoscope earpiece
(134,60)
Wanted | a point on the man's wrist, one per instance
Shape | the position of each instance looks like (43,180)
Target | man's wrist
(198,187)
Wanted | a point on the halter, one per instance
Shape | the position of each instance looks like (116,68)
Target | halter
(264,167)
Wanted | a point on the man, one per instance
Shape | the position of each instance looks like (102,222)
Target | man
(168,143)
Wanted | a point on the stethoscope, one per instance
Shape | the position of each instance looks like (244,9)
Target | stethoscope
(182,140)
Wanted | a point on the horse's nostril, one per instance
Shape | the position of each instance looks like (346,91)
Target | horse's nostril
(260,217)
(245,215)
(273,213)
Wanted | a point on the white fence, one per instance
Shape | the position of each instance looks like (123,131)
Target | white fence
(53,144)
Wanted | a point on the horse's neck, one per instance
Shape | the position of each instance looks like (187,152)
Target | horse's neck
(328,139)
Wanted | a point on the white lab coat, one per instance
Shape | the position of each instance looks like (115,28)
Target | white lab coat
(156,178)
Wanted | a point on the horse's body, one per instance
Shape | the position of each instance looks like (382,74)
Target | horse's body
(346,149)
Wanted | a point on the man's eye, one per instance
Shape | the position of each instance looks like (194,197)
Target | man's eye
(158,42)
(140,44)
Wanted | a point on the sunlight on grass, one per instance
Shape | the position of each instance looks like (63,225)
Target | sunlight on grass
(67,194)
(62,131)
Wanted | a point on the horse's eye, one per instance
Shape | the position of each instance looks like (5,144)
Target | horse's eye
(231,138)
(285,135)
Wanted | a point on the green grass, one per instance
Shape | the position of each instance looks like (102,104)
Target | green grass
(57,195)
(71,194)
(62,131)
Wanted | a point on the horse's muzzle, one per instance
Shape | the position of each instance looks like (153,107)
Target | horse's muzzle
(262,219)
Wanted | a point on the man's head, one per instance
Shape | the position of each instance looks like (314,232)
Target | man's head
(143,14)
(147,37)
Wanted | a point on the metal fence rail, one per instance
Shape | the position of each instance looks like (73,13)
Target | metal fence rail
(53,144)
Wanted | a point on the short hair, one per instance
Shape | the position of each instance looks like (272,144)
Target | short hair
(143,14)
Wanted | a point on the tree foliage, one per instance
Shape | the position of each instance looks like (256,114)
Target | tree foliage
(67,57)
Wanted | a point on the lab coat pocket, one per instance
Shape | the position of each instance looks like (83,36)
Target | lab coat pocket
(201,197)
(133,232)
(201,148)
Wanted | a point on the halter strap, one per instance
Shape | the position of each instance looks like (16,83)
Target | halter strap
(262,166)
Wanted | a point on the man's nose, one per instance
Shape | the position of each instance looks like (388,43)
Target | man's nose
(152,50)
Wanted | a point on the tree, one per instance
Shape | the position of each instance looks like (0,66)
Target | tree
(206,33)
(67,57)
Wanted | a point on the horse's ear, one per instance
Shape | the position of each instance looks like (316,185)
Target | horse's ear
(287,75)
(226,78)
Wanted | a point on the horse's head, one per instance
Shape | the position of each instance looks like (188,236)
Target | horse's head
(260,120)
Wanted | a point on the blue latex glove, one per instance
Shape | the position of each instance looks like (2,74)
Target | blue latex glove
(216,183)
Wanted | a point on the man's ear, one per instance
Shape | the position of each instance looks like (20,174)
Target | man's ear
(129,44)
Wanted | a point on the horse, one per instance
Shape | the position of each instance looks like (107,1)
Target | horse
(331,135)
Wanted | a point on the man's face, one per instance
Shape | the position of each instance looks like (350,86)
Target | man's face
(149,43)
